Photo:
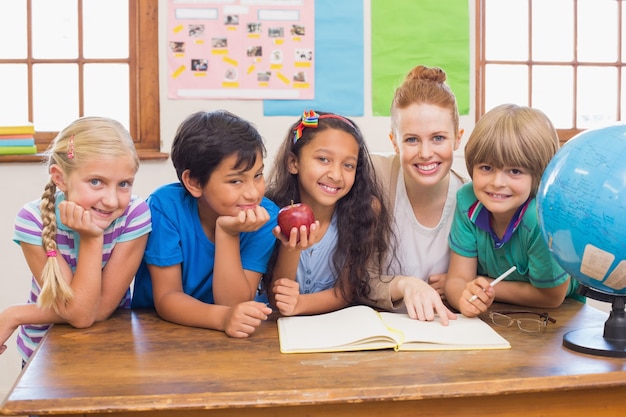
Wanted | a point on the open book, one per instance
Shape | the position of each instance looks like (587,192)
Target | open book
(363,328)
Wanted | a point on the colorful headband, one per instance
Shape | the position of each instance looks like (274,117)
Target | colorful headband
(311,119)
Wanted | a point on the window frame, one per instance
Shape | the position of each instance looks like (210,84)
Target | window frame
(144,84)
(481,62)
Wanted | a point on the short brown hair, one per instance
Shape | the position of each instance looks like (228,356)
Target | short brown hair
(511,135)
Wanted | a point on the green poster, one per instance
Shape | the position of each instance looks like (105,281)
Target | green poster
(408,33)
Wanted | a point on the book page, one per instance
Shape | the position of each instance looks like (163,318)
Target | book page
(352,328)
(462,333)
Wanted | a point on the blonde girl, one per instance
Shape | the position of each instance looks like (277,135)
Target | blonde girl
(84,239)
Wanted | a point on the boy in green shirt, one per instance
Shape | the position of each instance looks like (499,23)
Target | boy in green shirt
(496,224)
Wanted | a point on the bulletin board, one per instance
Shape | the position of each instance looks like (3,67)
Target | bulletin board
(241,49)
(339,63)
(309,54)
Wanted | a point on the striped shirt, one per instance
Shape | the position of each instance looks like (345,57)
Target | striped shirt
(133,223)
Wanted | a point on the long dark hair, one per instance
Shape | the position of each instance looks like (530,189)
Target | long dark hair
(363,220)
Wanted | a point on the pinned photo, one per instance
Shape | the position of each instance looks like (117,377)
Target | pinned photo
(199,64)
(303,55)
(276,32)
(276,57)
(255,51)
(219,42)
(254,27)
(297,30)
(299,77)
(263,77)
(177,47)
(231,74)
(231,19)
(195,31)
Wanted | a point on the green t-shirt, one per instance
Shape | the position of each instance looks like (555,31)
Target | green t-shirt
(526,248)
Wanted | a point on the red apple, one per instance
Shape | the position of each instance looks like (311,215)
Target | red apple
(295,215)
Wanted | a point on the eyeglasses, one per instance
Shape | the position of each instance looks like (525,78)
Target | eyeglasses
(501,318)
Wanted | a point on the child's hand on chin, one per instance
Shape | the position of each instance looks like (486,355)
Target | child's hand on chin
(77,218)
(247,220)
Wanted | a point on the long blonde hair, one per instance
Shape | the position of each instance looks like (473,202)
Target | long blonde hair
(84,140)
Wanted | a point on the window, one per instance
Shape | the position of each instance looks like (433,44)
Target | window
(565,57)
(63,59)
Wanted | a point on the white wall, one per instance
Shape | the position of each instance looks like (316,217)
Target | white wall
(20,183)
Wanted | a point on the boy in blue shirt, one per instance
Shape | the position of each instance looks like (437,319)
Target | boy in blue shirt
(212,231)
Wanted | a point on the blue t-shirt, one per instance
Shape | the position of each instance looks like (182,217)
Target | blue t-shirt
(177,237)
(315,270)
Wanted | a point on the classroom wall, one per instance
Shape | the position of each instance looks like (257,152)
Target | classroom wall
(20,183)
(24,182)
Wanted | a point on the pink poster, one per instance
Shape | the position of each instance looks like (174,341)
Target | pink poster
(241,49)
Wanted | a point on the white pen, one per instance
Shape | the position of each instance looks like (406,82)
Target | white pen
(495,281)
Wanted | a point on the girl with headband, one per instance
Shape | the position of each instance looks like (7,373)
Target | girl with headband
(324,163)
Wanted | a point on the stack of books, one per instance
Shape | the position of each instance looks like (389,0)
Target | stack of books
(17,139)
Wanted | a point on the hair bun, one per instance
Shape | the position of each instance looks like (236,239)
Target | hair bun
(421,72)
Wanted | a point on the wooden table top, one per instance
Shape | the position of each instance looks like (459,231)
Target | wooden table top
(137,362)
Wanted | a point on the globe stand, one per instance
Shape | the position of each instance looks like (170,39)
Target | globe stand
(607,341)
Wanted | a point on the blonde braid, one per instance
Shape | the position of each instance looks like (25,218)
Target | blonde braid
(84,140)
(55,290)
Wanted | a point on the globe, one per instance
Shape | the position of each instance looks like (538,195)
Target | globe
(581,204)
(582,208)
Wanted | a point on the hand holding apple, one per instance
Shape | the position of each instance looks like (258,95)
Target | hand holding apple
(295,215)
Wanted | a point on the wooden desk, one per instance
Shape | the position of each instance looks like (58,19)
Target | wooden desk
(136,363)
